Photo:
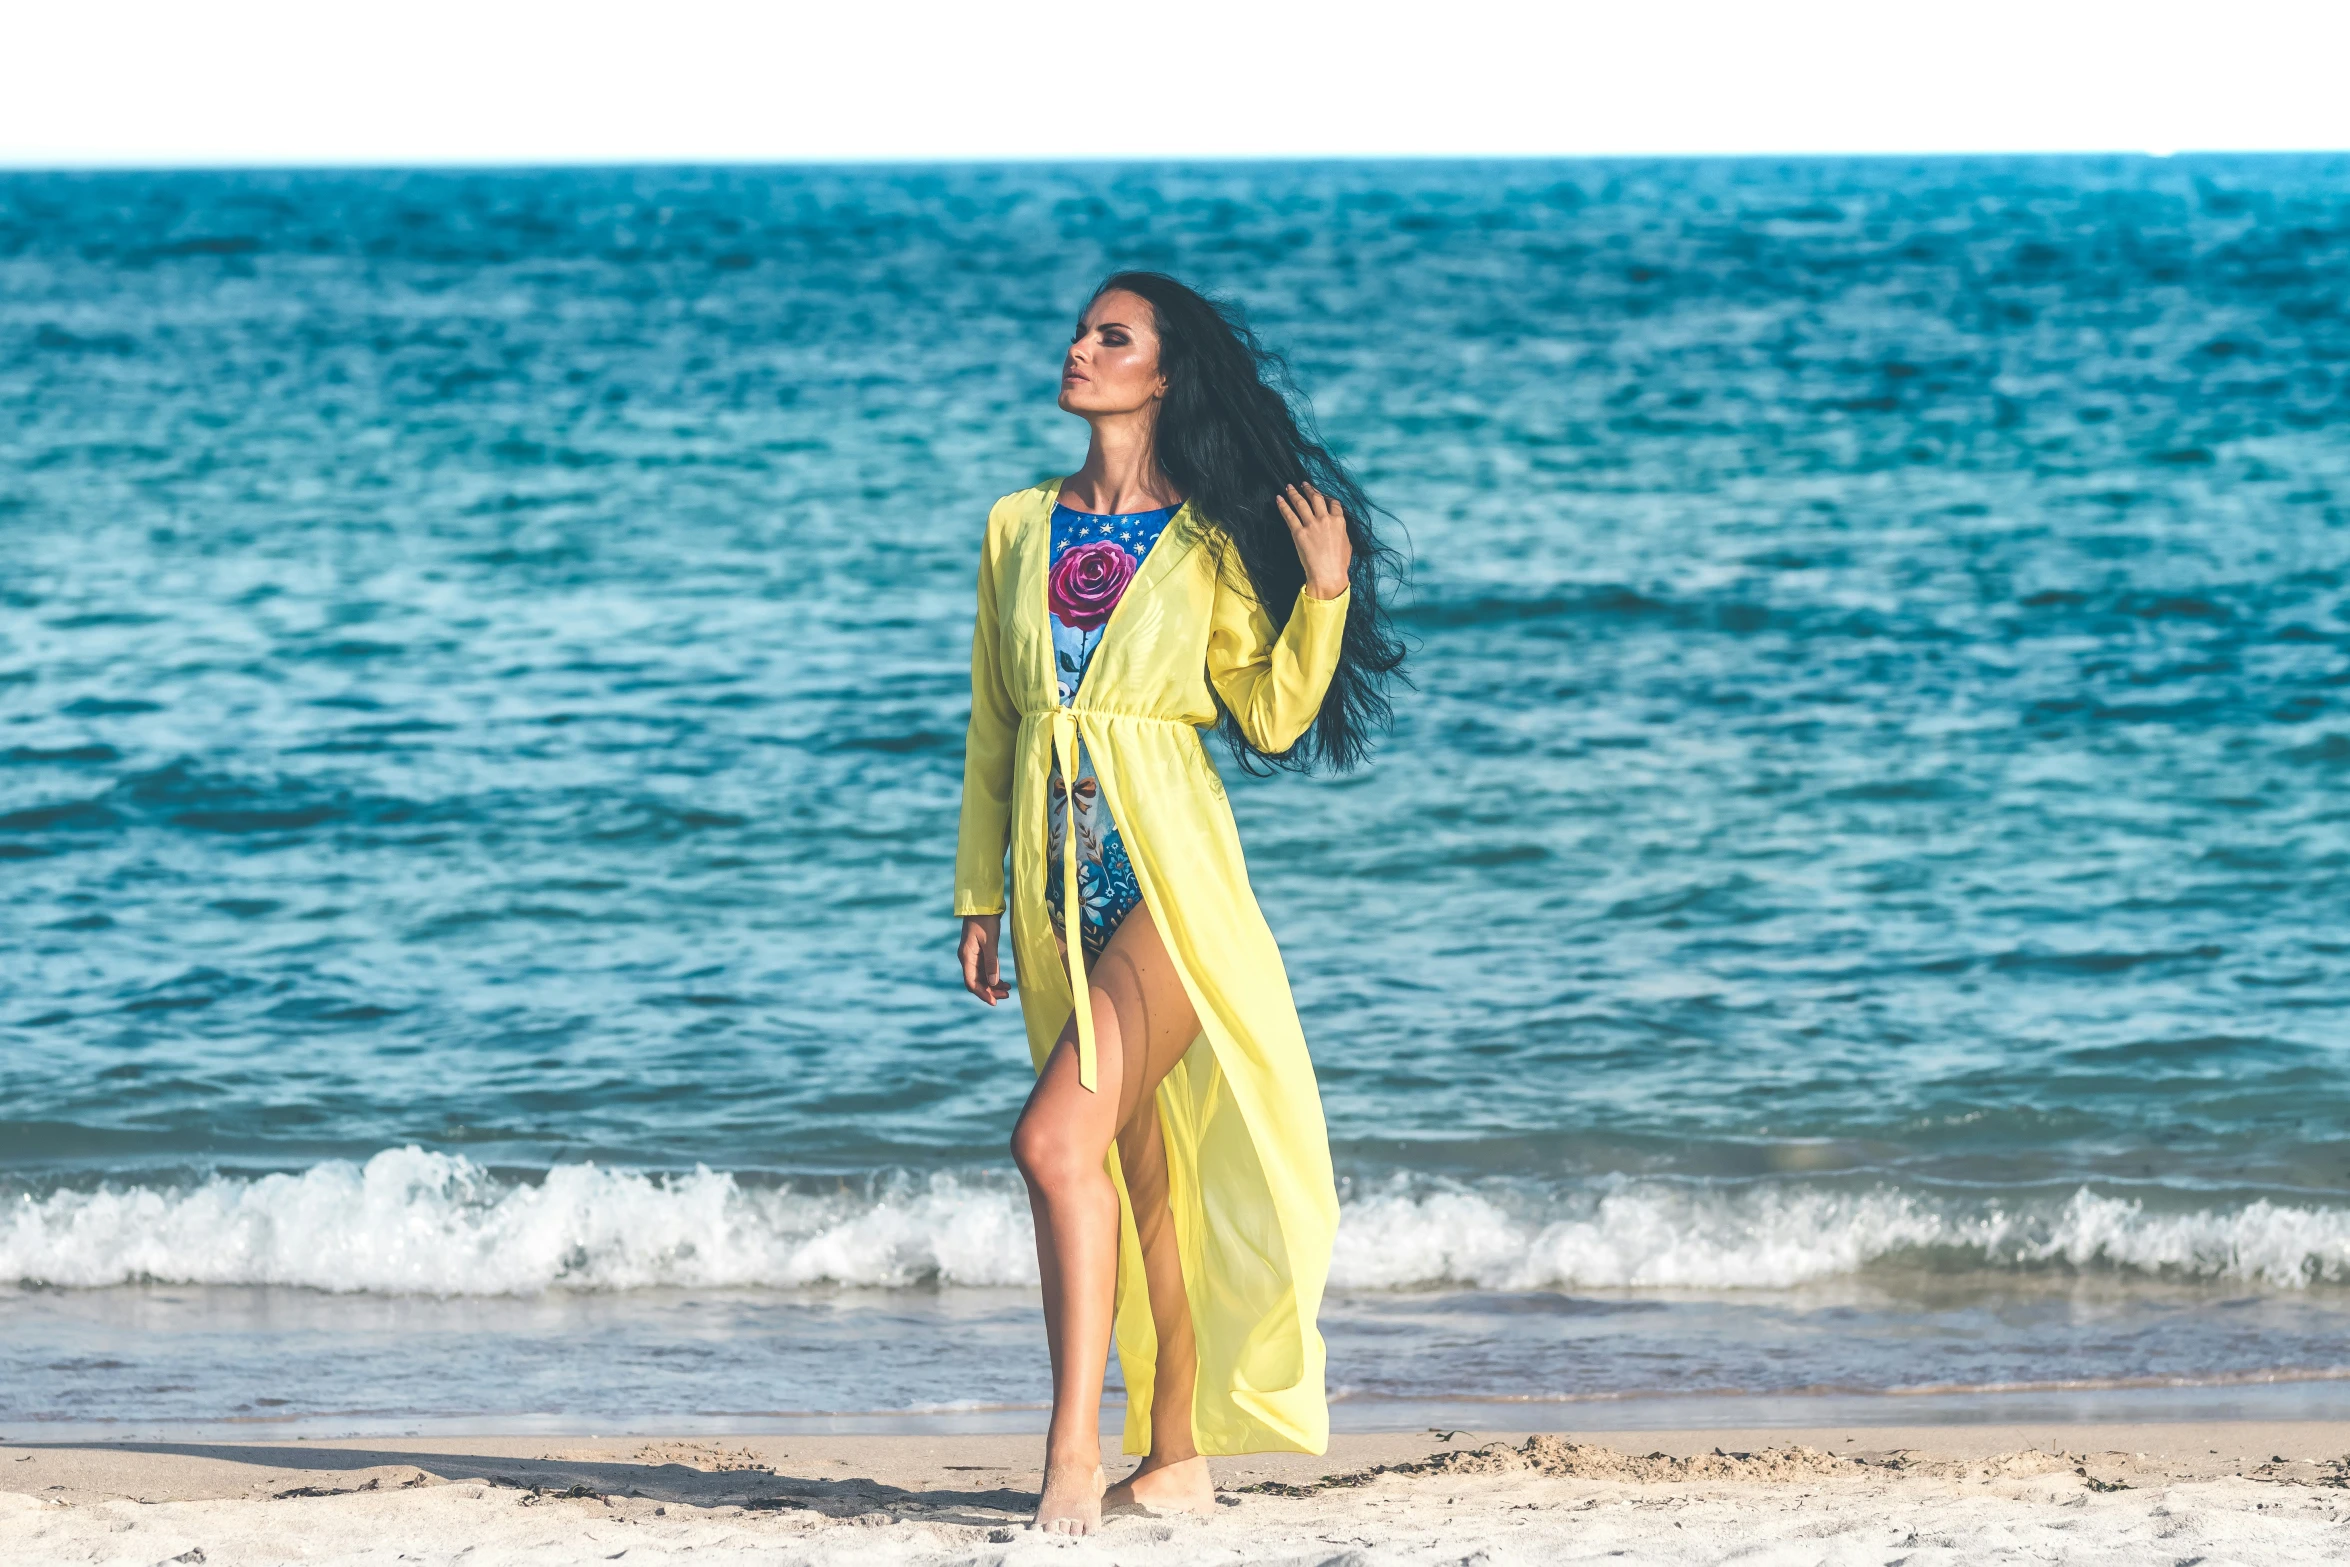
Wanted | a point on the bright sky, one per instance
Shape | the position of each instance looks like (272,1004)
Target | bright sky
(208,82)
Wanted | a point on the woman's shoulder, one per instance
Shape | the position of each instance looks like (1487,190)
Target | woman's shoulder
(1013,511)
(1037,495)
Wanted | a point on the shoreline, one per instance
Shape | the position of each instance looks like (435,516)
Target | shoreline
(221,1361)
(2266,1491)
(2285,1398)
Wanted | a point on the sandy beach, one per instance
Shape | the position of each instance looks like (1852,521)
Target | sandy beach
(1845,923)
(2238,1492)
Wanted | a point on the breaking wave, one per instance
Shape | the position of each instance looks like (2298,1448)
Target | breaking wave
(410,1221)
(1670,1235)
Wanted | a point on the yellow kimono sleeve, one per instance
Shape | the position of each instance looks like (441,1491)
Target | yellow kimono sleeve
(988,744)
(1273,685)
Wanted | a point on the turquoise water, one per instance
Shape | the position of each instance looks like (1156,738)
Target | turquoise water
(1855,901)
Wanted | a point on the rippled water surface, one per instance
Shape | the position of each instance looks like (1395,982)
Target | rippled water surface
(1855,901)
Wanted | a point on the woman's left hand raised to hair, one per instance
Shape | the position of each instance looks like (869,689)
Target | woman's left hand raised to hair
(1317,525)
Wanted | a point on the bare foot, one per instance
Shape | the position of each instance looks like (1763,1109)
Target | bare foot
(1072,1499)
(1178,1486)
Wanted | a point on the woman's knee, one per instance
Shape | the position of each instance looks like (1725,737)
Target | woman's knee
(1051,1156)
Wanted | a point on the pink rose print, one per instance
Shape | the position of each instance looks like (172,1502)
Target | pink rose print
(1086,583)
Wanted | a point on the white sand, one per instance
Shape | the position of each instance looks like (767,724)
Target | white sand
(2208,1494)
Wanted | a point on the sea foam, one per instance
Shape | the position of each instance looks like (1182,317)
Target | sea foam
(1660,1234)
(410,1221)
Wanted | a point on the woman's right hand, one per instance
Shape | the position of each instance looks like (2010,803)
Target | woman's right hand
(981,975)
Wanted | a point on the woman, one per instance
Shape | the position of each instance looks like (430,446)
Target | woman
(1209,564)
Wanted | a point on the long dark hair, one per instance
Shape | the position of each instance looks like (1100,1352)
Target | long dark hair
(1233,430)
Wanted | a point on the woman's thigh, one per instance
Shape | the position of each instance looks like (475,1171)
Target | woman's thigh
(1143,1023)
(1138,978)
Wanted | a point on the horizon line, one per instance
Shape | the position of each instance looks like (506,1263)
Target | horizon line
(9,166)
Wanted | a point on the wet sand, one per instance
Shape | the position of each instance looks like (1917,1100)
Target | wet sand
(2249,1492)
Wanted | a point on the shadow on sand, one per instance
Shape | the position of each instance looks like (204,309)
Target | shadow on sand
(752,1486)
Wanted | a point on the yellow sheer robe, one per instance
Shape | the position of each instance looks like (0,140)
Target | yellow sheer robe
(1248,1159)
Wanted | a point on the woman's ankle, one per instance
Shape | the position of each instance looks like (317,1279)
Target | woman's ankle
(1155,1461)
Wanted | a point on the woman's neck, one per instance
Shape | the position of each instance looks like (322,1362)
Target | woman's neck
(1121,472)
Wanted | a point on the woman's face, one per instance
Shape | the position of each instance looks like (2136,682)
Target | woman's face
(1112,366)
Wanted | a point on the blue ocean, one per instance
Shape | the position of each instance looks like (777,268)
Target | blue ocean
(1853,916)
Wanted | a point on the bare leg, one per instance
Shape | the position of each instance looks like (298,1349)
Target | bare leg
(1061,1145)
(1173,1476)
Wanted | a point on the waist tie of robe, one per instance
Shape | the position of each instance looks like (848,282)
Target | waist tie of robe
(1065,751)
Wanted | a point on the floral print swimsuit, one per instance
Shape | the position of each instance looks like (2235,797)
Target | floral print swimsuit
(1094,558)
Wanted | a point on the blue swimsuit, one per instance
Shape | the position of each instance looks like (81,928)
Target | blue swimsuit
(1094,558)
